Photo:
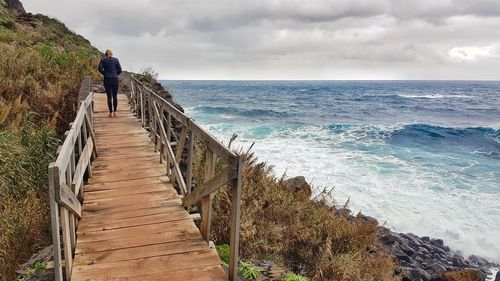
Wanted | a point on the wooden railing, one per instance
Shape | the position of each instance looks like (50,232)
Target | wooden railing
(66,179)
(160,117)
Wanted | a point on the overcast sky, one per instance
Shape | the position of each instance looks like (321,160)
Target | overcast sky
(292,39)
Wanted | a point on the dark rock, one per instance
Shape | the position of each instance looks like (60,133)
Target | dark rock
(497,278)
(407,250)
(436,267)
(426,239)
(15,5)
(299,185)
(437,242)
(413,239)
(369,219)
(479,260)
(400,255)
(390,239)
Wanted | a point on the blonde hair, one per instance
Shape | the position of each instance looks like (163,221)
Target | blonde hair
(108,53)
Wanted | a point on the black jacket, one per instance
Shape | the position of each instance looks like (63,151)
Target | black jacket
(110,67)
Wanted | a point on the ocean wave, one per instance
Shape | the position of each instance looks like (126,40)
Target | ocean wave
(229,110)
(481,140)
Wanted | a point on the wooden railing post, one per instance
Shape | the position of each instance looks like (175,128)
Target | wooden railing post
(206,202)
(235,222)
(54,217)
(189,168)
(169,138)
(142,107)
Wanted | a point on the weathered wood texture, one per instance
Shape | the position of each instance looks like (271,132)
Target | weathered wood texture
(170,128)
(134,225)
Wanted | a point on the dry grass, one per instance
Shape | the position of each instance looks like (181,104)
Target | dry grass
(42,64)
(307,236)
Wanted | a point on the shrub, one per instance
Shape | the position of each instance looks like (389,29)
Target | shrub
(300,233)
(223,251)
(248,271)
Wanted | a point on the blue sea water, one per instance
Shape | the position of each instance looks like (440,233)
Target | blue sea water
(421,156)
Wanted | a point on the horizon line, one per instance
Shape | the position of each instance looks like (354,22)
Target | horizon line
(340,80)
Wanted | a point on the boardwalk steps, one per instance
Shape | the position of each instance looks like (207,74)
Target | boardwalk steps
(129,222)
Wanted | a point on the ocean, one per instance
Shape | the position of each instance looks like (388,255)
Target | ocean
(420,156)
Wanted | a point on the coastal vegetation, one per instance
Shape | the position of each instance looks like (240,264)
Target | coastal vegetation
(41,67)
(308,236)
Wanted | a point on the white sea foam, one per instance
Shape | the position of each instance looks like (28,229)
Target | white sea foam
(407,194)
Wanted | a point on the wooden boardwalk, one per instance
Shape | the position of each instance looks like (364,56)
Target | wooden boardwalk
(133,224)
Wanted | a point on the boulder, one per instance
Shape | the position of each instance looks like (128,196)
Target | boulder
(497,278)
(15,5)
(299,185)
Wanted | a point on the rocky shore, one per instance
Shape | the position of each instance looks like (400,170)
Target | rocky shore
(424,258)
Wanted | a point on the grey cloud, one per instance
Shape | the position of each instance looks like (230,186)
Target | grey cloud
(291,39)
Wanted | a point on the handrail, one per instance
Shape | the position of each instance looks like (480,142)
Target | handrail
(158,115)
(66,179)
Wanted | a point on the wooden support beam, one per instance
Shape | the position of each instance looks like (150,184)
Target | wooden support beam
(65,197)
(82,165)
(54,217)
(189,168)
(206,201)
(210,186)
(235,222)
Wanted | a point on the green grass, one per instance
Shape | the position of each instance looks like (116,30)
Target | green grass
(223,251)
(248,270)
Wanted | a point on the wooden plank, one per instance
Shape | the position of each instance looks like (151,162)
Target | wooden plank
(210,186)
(175,217)
(135,241)
(141,211)
(140,252)
(126,183)
(66,198)
(117,209)
(126,175)
(134,230)
(124,192)
(120,154)
(208,273)
(106,204)
(153,265)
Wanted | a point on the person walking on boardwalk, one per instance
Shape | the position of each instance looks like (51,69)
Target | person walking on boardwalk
(110,68)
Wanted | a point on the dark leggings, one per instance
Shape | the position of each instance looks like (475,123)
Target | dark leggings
(111,85)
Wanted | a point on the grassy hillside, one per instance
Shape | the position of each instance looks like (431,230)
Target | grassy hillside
(42,64)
